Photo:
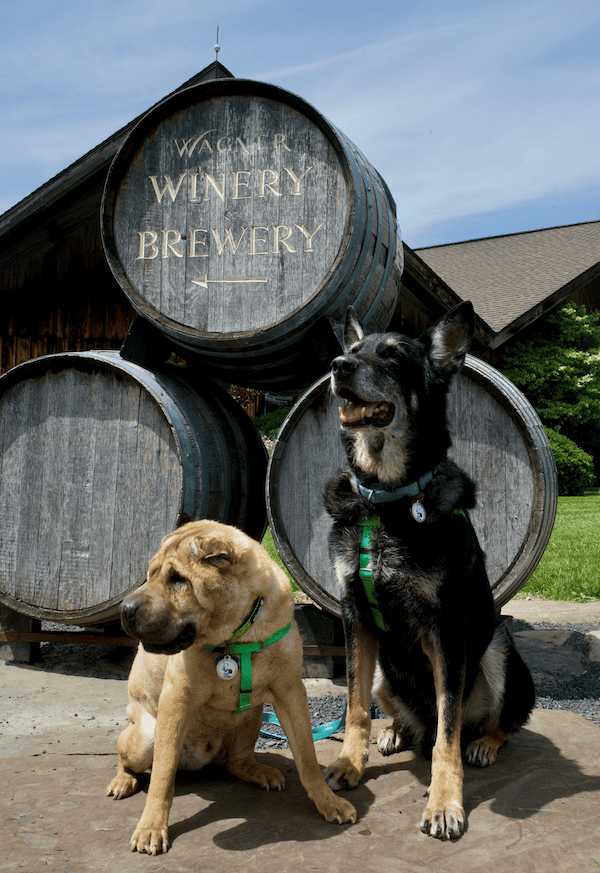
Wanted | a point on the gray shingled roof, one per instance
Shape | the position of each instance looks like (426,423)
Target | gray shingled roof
(506,277)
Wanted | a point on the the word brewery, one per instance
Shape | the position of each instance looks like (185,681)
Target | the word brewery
(225,192)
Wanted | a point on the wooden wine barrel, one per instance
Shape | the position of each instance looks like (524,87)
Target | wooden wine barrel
(498,439)
(99,459)
(238,220)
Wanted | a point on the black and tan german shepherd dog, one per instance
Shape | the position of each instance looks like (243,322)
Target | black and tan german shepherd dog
(417,607)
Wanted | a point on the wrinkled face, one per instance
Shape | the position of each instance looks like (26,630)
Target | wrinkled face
(376,379)
(184,584)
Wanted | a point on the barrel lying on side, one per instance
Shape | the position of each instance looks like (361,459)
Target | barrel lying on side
(239,220)
(498,439)
(99,459)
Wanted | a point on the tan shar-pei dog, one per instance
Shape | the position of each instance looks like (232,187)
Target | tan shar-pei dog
(196,694)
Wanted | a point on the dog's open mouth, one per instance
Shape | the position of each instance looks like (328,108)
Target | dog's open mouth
(360,413)
(182,641)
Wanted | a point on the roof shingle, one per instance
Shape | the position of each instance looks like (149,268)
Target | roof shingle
(506,276)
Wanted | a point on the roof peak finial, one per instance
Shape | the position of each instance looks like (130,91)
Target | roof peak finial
(217,46)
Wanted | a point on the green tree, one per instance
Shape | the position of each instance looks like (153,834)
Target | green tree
(558,369)
(574,467)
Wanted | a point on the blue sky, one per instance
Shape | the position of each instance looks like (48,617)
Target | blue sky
(483,117)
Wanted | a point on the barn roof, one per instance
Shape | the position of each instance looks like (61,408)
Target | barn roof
(513,279)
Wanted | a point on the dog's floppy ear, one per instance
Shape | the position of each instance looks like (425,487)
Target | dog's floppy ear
(216,556)
(353,329)
(217,559)
(449,339)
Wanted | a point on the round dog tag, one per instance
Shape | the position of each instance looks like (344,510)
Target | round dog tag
(227,668)
(417,511)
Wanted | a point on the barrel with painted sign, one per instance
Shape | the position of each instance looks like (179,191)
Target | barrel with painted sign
(100,458)
(497,438)
(242,223)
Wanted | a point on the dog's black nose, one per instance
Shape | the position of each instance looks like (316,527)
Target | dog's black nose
(343,367)
(129,608)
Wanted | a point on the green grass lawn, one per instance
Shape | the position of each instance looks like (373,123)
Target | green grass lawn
(570,566)
(269,545)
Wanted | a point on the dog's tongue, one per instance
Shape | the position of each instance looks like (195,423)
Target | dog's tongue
(350,413)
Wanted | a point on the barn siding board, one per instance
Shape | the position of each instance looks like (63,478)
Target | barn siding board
(56,289)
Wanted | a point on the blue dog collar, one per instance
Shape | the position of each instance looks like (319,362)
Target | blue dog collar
(382,495)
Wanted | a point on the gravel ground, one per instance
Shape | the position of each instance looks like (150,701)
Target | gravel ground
(581,694)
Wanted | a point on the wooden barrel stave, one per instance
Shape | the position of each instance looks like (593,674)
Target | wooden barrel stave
(100,459)
(497,438)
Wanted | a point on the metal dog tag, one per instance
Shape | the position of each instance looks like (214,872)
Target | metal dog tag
(227,668)
(417,511)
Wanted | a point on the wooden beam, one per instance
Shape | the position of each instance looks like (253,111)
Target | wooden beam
(68,637)
(83,638)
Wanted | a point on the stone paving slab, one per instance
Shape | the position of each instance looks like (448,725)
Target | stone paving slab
(553,611)
(535,810)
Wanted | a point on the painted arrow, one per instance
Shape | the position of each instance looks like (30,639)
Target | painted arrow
(202,281)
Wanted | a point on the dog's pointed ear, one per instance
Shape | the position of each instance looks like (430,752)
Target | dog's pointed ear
(449,339)
(353,329)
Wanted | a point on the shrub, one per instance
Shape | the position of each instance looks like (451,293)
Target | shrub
(268,425)
(575,467)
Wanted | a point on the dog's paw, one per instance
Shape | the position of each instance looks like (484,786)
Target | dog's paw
(122,785)
(342,775)
(336,809)
(480,753)
(390,741)
(444,824)
(267,777)
(150,840)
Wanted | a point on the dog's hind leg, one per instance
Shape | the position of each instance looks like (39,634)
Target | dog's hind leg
(136,748)
(399,734)
(484,751)
(361,655)
(505,689)
(241,761)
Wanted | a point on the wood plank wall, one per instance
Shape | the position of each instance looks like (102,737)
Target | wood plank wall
(56,291)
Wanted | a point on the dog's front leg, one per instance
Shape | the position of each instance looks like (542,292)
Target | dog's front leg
(361,656)
(151,834)
(291,707)
(444,816)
